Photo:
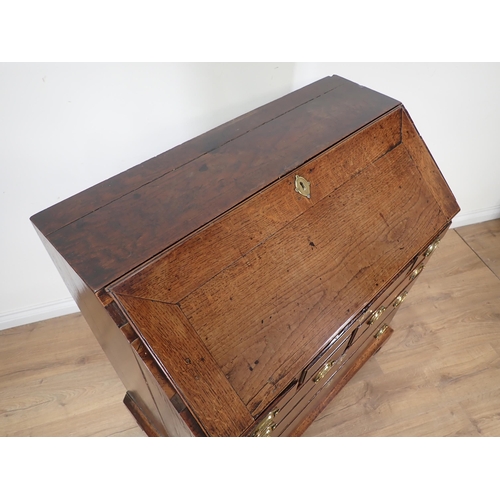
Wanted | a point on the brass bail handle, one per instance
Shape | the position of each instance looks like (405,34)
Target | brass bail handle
(376,315)
(431,248)
(417,271)
(267,425)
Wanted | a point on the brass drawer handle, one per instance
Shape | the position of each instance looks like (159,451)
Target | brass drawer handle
(381,330)
(417,271)
(399,299)
(266,426)
(431,248)
(326,368)
(376,315)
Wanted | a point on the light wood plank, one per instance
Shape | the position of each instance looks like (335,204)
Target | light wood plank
(56,381)
(484,239)
(439,373)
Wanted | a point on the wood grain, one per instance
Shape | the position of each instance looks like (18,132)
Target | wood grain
(110,241)
(321,400)
(427,166)
(185,360)
(39,363)
(233,335)
(56,381)
(177,419)
(301,279)
(114,341)
(184,268)
(439,373)
(106,192)
(485,242)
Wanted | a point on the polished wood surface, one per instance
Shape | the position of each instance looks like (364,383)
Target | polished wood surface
(108,240)
(194,373)
(304,293)
(304,268)
(76,207)
(438,374)
(180,270)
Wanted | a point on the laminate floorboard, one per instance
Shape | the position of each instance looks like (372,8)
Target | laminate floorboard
(484,240)
(438,375)
(56,381)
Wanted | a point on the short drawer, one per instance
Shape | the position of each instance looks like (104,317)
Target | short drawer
(298,413)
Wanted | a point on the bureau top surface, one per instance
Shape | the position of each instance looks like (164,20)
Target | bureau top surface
(117,225)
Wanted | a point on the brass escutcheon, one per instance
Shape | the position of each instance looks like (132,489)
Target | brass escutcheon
(376,315)
(415,273)
(381,330)
(302,186)
(399,299)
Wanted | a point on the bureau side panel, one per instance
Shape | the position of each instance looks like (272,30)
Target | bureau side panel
(112,340)
(428,168)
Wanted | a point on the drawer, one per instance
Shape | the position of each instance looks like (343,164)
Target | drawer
(420,260)
(331,364)
(358,343)
(341,361)
(272,422)
(343,350)
(300,411)
(370,315)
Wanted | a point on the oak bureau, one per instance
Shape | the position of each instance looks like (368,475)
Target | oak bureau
(238,281)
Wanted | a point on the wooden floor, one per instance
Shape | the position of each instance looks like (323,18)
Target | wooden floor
(438,375)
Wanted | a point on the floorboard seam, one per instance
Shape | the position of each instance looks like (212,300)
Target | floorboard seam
(478,256)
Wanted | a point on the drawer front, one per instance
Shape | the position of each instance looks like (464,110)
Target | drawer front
(330,365)
(302,409)
(342,351)
(362,338)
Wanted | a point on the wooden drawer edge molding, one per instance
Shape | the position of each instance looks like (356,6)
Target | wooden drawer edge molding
(140,417)
(164,390)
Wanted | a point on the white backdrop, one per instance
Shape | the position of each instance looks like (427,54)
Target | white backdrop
(65,127)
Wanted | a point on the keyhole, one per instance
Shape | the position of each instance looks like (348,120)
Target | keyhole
(302,186)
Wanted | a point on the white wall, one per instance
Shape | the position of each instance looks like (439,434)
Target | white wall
(456,109)
(65,127)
